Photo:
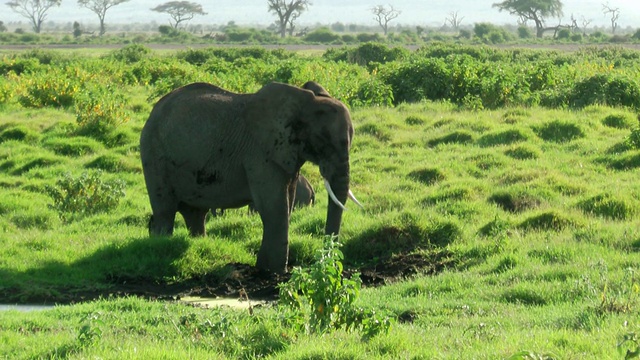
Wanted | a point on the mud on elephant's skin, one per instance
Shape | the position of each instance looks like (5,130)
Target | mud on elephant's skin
(207,148)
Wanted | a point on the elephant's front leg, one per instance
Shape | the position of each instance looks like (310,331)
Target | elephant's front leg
(271,200)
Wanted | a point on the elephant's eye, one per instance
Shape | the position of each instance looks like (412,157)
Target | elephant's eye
(319,112)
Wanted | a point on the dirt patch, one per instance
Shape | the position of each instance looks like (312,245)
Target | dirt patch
(244,281)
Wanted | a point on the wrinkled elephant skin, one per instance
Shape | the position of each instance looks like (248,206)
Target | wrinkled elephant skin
(207,148)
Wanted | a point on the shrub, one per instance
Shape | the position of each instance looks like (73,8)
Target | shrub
(417,79)
(100,111)
(322,35)
(84,195)
(606,89)
(524,32)
(52,88)
(130,54)
(320,299)
(367,53)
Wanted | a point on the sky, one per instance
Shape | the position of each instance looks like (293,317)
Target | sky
(326,12)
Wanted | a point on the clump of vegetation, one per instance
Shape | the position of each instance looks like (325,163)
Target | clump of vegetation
(18,133)
(84,195)
(559,131)
(100,111)
(514,202)
(523,152)
(319,299)
(506,137)
(550,220)
(619,121)
(456,137)
(427,176)
(607,206)
(414,120)
(74,146)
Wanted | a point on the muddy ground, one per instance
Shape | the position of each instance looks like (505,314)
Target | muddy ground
(244,281)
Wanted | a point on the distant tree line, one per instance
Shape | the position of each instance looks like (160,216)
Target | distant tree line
(287,13)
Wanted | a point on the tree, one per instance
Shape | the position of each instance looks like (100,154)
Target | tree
(535,10)
(287,12)
(454,20)
(100,7)
(383,16)
(615,14)
(34,10)
(180,11)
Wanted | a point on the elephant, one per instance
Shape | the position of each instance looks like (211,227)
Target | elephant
(305,196)
(204,147)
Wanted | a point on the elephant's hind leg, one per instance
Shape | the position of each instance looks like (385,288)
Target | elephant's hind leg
(194,218)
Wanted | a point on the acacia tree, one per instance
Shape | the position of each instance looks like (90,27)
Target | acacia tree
(615,14)
(287,11)
(100,7)
(34,10)
(383,16)
(534,10)
(180,11)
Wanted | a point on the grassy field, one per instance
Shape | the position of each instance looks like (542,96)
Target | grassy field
(534,211)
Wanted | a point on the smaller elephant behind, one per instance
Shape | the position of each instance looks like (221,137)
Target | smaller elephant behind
(305,196)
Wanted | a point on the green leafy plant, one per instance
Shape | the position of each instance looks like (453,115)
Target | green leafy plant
(100,111)
(321,299)
(84,195)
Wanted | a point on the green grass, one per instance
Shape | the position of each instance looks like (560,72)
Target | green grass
(538,218)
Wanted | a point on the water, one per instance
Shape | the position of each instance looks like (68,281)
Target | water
(4,307)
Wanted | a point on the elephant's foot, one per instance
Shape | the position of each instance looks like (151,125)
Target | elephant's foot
(272,260)
(160,228)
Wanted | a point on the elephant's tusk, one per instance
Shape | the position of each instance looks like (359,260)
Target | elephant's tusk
(352,197)
(332,195)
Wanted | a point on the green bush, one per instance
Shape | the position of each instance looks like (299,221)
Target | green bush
(417,79)
(322,35)
(130,54)
(51,88)
(367,53)
(319,299)
(606,89)
(84,195)
(100,111)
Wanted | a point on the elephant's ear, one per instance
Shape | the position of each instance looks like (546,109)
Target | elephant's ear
(317,89)
(273,117)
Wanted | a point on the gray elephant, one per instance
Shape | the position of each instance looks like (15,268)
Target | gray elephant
(305,195)
(207,148)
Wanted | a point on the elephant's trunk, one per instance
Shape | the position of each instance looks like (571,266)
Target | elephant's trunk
(339,184)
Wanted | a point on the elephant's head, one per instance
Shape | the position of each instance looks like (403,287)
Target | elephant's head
(295,125)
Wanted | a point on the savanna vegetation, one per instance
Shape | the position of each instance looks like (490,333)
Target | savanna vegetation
(507,181)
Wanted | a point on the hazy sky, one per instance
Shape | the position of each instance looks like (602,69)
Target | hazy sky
(414,12)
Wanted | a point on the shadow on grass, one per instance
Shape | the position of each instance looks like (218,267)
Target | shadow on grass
(139,267)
